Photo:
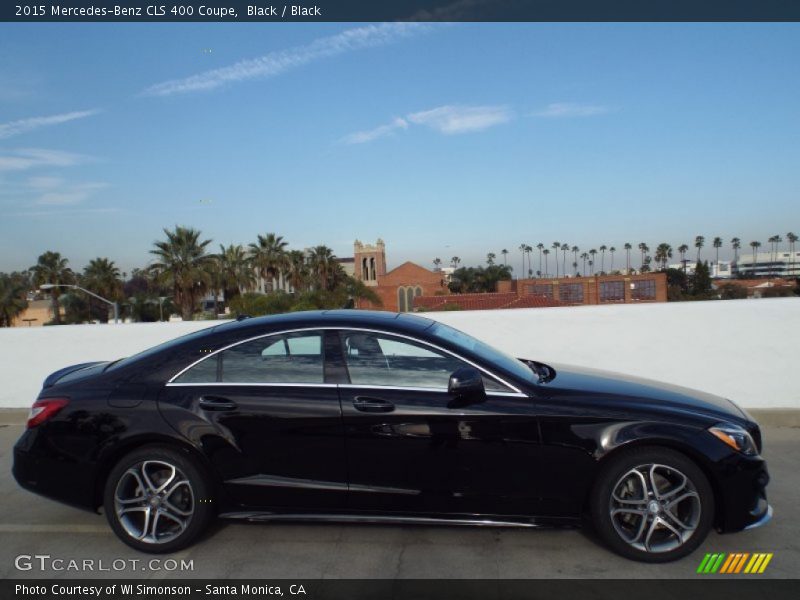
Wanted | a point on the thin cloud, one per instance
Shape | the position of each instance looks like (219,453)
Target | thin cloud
(362,137)
(448,120)
(28,158)
(462,119)
(45,183)
(69,194)
(64,212)
(570,109)
(279,62)
(13,128)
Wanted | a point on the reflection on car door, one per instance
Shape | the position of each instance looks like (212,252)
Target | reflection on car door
(411,449)
(269,421)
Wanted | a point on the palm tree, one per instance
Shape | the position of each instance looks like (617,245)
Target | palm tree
(182,263)
(437,263)
(102,277)
(575,251)
(612,250)
(754,245)
(13,289)
(564,250)
(51,268)
(528,251)
(268,256)
(592,253)
(540,246)
(644,249)
(490,258)
(773,255)
(771,242)
(237,275)
(215,281)
(683,249)
(323,266)
(627,247)
(504,252)
(699,241)
(663,252)
(792,239)
(556,246)
(584,256)
(778,240)
(603,249)
(546,268)
(736,243)
(522,248)
(717,243)
(297,270)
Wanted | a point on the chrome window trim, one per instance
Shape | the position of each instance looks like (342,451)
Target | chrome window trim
(516,391)
(409,388)
(254,384)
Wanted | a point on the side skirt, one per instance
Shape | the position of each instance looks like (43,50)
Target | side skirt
(478,520)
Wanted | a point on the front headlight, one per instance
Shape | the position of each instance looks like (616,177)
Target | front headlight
(734,436)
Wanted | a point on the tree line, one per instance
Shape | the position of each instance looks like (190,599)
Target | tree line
(585,262)
(182,273)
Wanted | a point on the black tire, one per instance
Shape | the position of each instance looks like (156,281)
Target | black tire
(179,513)
(616,497)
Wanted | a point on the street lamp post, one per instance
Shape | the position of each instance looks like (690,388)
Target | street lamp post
(47,286)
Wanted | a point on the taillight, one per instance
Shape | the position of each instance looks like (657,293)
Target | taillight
(44,409)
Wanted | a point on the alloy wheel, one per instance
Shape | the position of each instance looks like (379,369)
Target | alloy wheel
(154,501)
(655,508)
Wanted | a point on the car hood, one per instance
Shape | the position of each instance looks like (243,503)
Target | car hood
(628,390)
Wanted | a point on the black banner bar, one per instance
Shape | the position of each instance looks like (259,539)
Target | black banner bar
(745,587)
(398,10)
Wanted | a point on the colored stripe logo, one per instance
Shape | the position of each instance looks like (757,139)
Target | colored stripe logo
(734,563)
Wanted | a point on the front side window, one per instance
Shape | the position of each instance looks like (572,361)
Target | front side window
(284,358)
(385,360)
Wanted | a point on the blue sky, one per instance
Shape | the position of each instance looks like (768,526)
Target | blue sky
(443,140)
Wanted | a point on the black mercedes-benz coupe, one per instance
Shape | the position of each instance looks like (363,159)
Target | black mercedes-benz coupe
(380,417)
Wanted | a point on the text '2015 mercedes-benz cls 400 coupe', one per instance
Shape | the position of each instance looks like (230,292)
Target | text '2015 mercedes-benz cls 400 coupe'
(359,416)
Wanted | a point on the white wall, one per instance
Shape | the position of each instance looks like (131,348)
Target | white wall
(746,350)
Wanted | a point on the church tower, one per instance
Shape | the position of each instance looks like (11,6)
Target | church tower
(370,261)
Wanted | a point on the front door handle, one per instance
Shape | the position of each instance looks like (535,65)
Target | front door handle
(216,403)
(368,404)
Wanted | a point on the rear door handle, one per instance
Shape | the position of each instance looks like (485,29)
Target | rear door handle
(367,404)
(216,403)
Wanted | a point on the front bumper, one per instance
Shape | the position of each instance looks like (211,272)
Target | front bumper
(765,518)
(742,493)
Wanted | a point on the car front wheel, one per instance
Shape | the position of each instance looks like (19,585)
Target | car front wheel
(157,500)
(652,505)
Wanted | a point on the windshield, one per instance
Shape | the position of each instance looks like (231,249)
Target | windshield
(483,351)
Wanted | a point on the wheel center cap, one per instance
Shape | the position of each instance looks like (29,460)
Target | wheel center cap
(154,501)
(654,507)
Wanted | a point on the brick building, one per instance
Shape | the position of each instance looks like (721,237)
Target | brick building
(396,288)
(564,291)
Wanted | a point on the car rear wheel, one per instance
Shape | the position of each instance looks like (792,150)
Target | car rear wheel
(157,500)
(652,505)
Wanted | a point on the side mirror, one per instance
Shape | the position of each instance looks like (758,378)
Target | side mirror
(466,383)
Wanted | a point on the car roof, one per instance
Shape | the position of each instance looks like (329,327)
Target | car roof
(330,318)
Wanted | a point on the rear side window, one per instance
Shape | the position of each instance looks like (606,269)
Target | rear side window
(285,358)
